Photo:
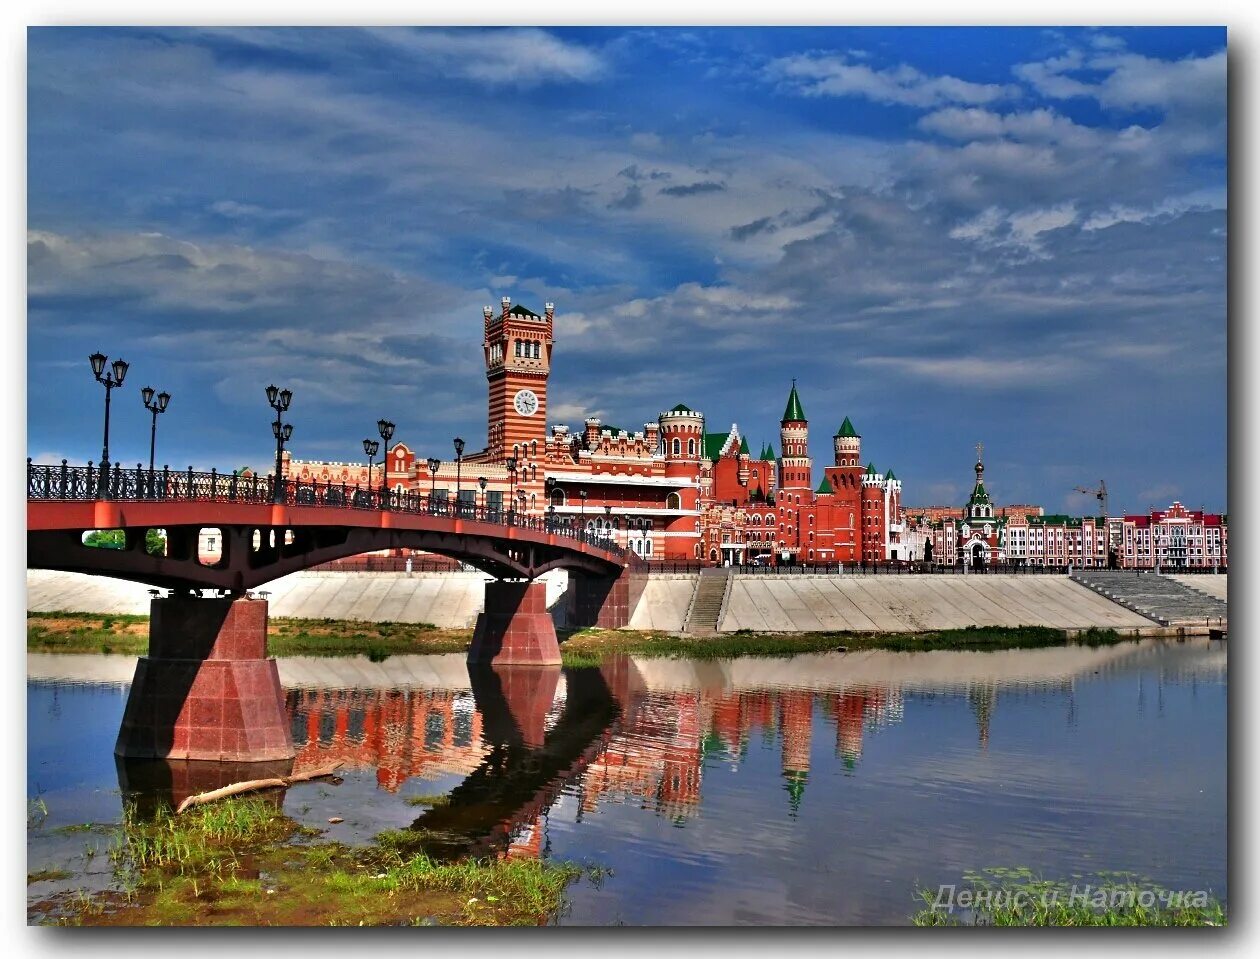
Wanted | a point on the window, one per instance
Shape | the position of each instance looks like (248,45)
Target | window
(673,501)
(677,446)
(691,447)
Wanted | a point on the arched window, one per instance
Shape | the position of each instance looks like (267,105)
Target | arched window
(691,447)
(533,501)
(673,501)
(677,446)
(557,497)
(697,551)
(533,447)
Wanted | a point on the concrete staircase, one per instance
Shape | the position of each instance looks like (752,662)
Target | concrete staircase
(1157,597)
(708,602)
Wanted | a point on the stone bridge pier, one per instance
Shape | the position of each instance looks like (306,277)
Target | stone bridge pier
(207,689)
(516,629)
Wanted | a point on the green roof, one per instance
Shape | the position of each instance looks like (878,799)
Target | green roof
(979,494)
(608,426)
(743,446)
(794,411)
(519,310)
(680,408)
(767,453)
(890,474)
(846,429)
(825,486)
(870,469)
(713,443)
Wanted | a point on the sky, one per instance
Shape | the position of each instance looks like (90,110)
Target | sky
(1014,236)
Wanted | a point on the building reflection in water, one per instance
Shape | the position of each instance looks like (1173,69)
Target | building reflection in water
(600,738)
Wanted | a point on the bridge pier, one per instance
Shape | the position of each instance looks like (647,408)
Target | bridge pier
(206,690)
(515,628)
(607,601)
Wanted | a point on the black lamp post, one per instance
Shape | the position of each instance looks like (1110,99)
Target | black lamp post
(279,401)
(386,429)
(582,497)
(510,463)
(482,481)
(108,379)
(370,447)
(435,464)
(459,463)
(608,525)
(155,407)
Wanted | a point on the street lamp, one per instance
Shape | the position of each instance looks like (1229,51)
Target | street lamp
(459,463)
(481,481)
(370,447)
(435,464)
(114,377)
(608,522)
(279,401)
(510,463)
(155,407)
(386,429)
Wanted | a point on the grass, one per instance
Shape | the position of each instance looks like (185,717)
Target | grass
(86,633)
(129,635)
(1018,897)
(242,862)
(589,647)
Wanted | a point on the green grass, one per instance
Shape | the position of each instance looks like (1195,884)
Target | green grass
(129,635)
(1018,897)
(242,862)
(589,647)
(46,875)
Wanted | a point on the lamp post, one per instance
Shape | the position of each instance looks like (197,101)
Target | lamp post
(435,464)
(510,463)
(459,464)
(370,447)
(279,401)
(386,429)
(608,522)
(108,379)
(482,481)
(155,407)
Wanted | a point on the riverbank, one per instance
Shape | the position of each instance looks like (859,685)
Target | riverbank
(128,634)
(243,862)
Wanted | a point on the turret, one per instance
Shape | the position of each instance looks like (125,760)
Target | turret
(682,433)
(795,466)
(848,445)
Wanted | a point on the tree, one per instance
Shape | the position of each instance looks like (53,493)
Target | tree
(154,540)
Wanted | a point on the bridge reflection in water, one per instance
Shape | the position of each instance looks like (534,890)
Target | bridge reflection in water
(637,732)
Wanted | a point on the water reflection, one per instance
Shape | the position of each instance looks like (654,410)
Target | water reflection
(813,789)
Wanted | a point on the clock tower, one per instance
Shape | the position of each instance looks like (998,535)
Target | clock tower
(518,361)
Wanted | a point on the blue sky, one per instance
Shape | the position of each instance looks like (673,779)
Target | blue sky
(1015,236)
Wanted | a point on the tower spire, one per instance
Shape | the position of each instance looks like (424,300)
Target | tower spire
(794,412)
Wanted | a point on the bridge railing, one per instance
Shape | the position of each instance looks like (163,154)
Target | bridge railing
(65,482)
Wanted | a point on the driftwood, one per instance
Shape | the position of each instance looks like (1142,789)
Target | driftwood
(253,785)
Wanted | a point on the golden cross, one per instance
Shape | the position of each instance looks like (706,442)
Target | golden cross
(980,452)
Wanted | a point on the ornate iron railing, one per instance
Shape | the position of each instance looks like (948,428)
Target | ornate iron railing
(137,484)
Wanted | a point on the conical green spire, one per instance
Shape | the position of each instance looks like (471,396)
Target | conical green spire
(767,453)
(794,411)
(890,475)
(870,469)
(743,446)
(825,486)
(846,429)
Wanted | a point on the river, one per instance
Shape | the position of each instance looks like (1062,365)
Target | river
(817,789)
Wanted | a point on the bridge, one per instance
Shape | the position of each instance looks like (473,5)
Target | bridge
(206,689)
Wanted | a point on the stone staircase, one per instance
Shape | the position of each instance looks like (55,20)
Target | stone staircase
(1164,600)
(708,601)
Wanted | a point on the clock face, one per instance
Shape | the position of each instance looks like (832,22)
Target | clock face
(526,402)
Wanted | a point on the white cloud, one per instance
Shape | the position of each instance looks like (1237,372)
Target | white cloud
(1132,81)
(819,75)
(979,372)
(1207,199)
(519,57)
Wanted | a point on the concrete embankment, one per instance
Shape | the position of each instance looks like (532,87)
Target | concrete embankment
(1214,584)
(448,600)
(914,603)
(762,603)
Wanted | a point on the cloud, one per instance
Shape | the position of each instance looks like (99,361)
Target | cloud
(818,75)
(980,373)
(692,189)
(517,57)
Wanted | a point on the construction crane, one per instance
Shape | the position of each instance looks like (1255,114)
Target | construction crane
(1099,494)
